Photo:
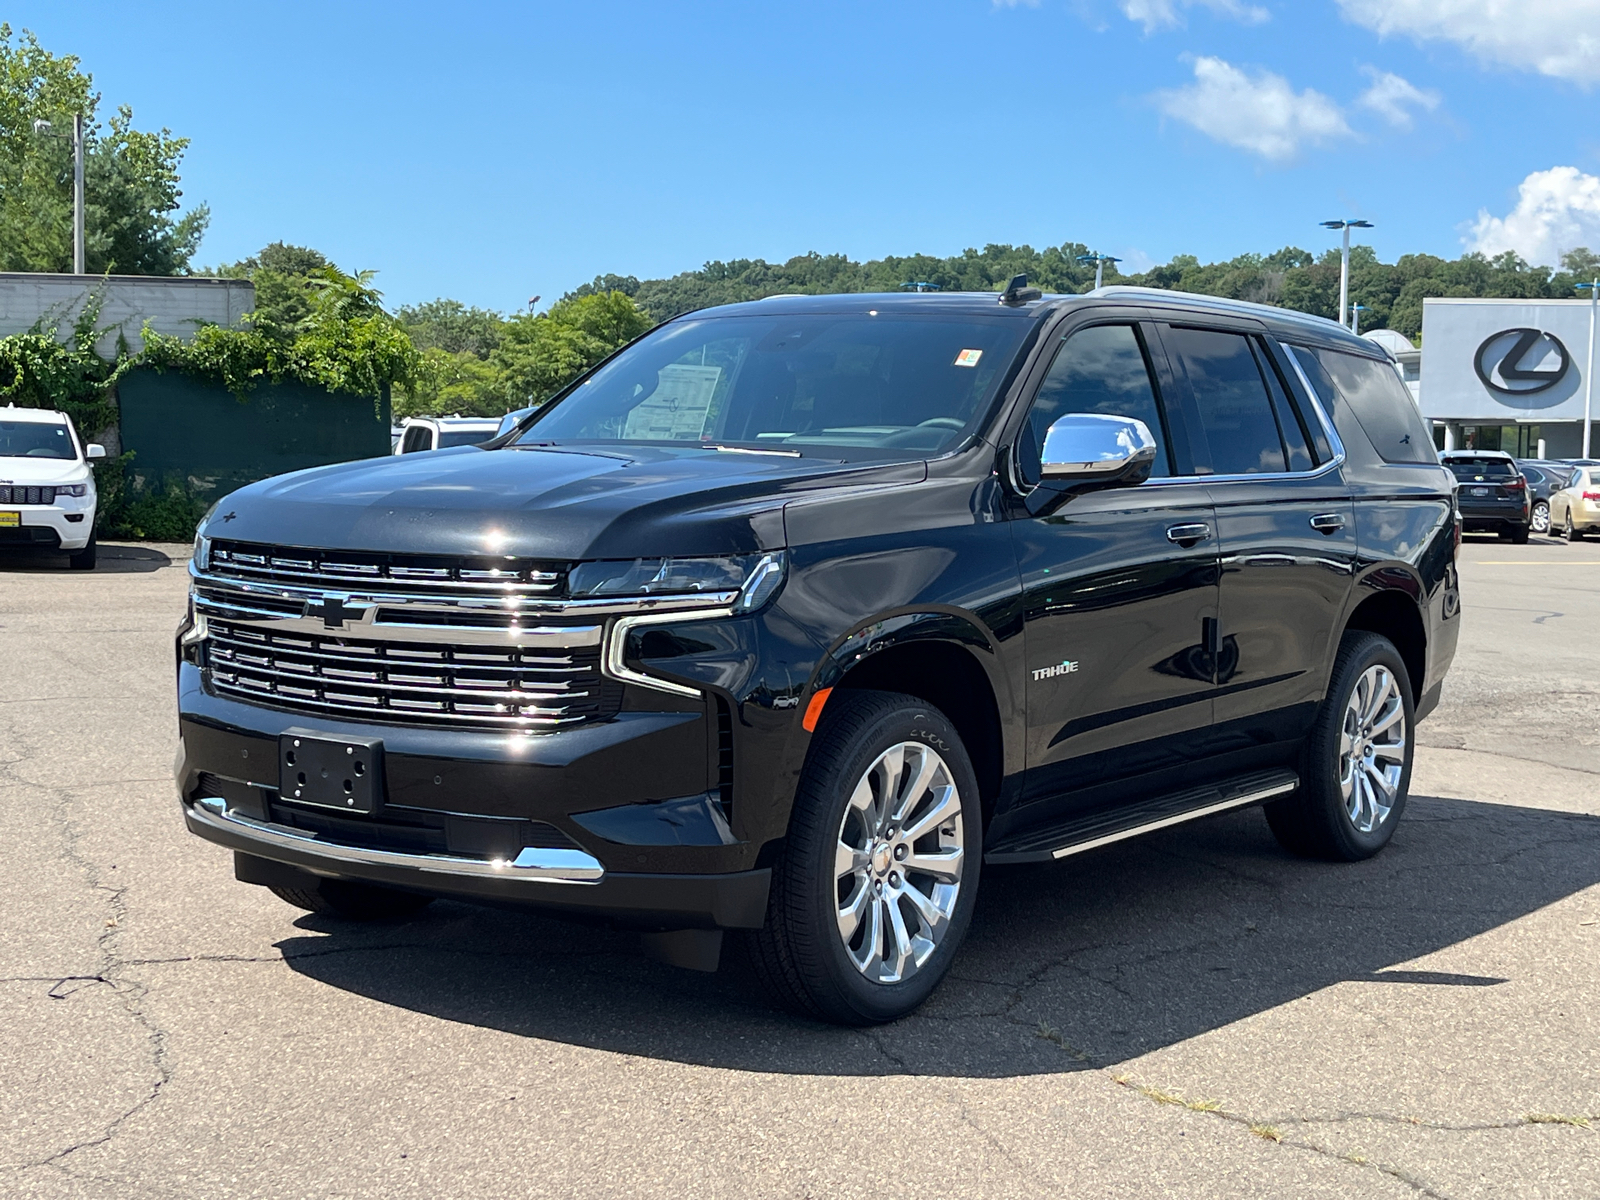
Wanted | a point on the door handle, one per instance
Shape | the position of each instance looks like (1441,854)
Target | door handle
(1327,522)
(1198,532)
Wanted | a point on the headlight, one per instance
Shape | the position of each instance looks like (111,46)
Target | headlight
(756,575)
(202,544)
(72,489)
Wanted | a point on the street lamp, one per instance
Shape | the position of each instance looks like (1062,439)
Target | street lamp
(1099,261)
(1344,264)
(40,129)
(1355,316)
(1588,376)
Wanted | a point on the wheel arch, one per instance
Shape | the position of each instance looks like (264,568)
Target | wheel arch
(945,659)
(1393,612)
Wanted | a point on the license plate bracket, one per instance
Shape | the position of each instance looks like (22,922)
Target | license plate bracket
(11,519)
(330,772)
(1480,491)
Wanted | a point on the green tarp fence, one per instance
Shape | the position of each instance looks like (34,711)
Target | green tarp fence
(202,436)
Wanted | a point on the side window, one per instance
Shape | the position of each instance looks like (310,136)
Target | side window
(416,439)
(1103,370)
(1290,426)
(1381,405)
(1230,399)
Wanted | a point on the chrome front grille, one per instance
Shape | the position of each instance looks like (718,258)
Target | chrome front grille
(417,683)
(423,576)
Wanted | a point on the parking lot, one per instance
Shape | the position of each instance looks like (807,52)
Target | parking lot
(1192,1014)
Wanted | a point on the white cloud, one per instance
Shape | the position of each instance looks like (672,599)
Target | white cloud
(1393,98)
(1556,210)
(1257,112)
(1560,38)
(1168,14)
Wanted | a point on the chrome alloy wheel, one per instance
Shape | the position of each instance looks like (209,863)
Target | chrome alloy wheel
(897,866)
(1372,748)
(1541,517)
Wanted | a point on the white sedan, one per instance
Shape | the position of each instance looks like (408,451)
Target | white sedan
(47,496)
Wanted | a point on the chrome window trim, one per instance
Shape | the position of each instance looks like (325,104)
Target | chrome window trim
(532,863)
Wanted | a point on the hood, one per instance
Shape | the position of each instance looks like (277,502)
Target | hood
(544,502)
(43,470)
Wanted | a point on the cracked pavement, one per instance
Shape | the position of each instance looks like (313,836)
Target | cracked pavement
(1193,1014)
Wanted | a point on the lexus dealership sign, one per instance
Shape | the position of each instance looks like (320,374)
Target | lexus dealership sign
(1521,363)
(1503,361)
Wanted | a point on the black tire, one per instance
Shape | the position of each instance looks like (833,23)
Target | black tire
(1313,821)
(1519,536)
(800,956)
(353,901)
(1573,533)
(83,560)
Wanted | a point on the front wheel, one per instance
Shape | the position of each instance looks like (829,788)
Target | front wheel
(83,560)
(879,873)
(1541,517)
(1355,769)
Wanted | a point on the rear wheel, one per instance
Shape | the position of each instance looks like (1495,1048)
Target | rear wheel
(1355,770)
(1541,517)
(352,901)
(1572,532)
(879,873)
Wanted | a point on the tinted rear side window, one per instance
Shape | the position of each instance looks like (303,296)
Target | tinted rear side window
(1230,399)
(1382,405)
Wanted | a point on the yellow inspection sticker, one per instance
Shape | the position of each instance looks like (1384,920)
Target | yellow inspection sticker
(968,358)
(10,520)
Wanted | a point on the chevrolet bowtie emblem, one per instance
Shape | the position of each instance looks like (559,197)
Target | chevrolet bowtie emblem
(335,610)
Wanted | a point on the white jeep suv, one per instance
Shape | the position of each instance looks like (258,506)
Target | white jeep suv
(47,497)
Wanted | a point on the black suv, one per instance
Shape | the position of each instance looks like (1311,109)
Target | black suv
(1492,493)
(794,615)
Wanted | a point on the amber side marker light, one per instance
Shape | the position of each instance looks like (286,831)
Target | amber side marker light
(814,710)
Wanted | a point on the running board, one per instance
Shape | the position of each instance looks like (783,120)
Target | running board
(1101,828)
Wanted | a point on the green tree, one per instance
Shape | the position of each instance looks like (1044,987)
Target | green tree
(286,278)
(538,355)
(132,197)
(451,326)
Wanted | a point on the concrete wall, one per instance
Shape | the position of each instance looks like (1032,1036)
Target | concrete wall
(172,305)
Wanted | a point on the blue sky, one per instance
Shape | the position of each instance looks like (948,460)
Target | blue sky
(496,151)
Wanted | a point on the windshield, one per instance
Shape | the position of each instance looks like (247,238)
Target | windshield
(462,437)
(1490,468)
(35,439)
(914,384)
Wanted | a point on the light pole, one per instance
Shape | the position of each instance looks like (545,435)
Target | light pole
(1588,376)
(40,128)
(1355,317)
(1099,261)
(1344,264)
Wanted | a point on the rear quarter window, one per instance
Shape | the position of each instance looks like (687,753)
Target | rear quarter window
(1373,395)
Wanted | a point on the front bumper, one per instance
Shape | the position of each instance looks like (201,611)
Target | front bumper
(461,788)
(70,520)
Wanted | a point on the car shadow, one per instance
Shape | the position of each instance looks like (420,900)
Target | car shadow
(109,560)
(1068,966)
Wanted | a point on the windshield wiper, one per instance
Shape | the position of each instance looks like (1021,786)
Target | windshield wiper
(751,450)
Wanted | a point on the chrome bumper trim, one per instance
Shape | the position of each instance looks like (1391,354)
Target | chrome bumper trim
(533,863)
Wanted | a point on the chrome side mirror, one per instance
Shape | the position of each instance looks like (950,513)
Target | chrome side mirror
(1089,448)
(94,450)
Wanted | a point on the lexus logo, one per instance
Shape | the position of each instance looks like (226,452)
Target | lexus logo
(1521,362)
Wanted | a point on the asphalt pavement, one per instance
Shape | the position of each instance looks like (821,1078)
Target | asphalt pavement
(1194,1014)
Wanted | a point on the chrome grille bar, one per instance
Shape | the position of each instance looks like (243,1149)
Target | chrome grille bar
(505,688)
